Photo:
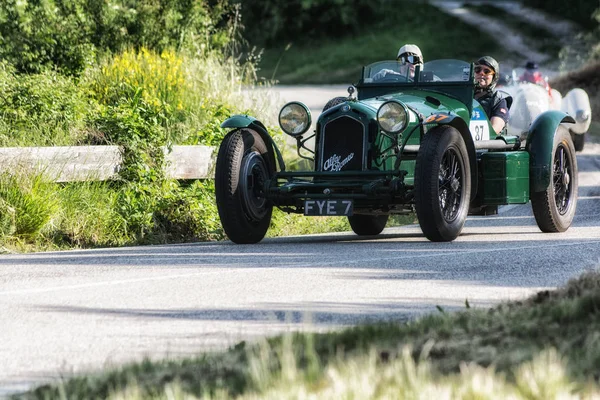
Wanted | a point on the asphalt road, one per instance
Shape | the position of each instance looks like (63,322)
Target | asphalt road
(70,312)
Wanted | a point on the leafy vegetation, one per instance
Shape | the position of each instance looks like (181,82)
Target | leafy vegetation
(312,20)
(69,35)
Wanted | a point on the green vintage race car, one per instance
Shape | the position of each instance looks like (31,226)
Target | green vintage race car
(397,145)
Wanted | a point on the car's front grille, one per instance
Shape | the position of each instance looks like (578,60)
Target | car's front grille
(343,145)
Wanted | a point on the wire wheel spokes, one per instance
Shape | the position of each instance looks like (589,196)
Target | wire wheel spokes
(450,185)
(562,179)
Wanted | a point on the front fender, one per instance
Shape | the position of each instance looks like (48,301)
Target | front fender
(246,121)
(540,144)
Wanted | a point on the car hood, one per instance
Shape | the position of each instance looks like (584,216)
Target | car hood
(420,101)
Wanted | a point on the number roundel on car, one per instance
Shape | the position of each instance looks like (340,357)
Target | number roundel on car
(478,126)
(294,118)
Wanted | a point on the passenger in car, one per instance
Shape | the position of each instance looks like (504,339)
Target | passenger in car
(409,56)
(487,73)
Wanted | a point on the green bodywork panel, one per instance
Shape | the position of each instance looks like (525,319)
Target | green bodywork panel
(505,177)
(540,142)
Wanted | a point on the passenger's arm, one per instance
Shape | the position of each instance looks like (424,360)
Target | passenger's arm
(500,116)
(498,124)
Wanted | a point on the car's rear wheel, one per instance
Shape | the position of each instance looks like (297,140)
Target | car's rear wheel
(442,184)
(578,141)
(554,208)
(368,224)
(243,165)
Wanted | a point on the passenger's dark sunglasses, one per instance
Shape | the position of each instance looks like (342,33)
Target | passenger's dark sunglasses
(409,58)
(485,71)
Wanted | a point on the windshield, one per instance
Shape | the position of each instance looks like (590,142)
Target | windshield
(433,71)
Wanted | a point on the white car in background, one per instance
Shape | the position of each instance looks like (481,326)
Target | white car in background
(531,99)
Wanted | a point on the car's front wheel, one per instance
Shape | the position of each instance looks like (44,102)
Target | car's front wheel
(554,208)
(242,168)
(442,184)
(368,224)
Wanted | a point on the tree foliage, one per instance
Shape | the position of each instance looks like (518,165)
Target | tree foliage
(270,22)
(67,35)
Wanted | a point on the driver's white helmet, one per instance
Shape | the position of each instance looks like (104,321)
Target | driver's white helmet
(410,50)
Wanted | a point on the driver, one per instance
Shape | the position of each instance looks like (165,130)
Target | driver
(532,74)
(409,56)
(495,106)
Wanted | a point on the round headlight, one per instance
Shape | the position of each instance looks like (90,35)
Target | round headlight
(392,117)
(294,118)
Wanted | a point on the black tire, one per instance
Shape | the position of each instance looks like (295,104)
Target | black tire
(368,224)
(243,165)
(334,102)
(554,208)
(442,184)
(578,141)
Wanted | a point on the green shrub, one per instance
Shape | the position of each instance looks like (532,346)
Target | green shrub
(45,34)
(187,97)
(67,35)
(189,213)
(168,211)
(43,109)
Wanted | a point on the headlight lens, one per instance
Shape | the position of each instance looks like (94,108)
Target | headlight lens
(392,117)
(294,118)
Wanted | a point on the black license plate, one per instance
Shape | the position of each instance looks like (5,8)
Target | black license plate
(328,207)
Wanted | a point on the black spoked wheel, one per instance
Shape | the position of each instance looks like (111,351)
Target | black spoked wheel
(442,184)
(368,224)
(554,208)
(243,166)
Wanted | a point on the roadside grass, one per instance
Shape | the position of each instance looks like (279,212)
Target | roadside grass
(284,224)
(544,347)
(339,60)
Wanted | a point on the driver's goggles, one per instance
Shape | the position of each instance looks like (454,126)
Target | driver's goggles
(410,58)
(482,70)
